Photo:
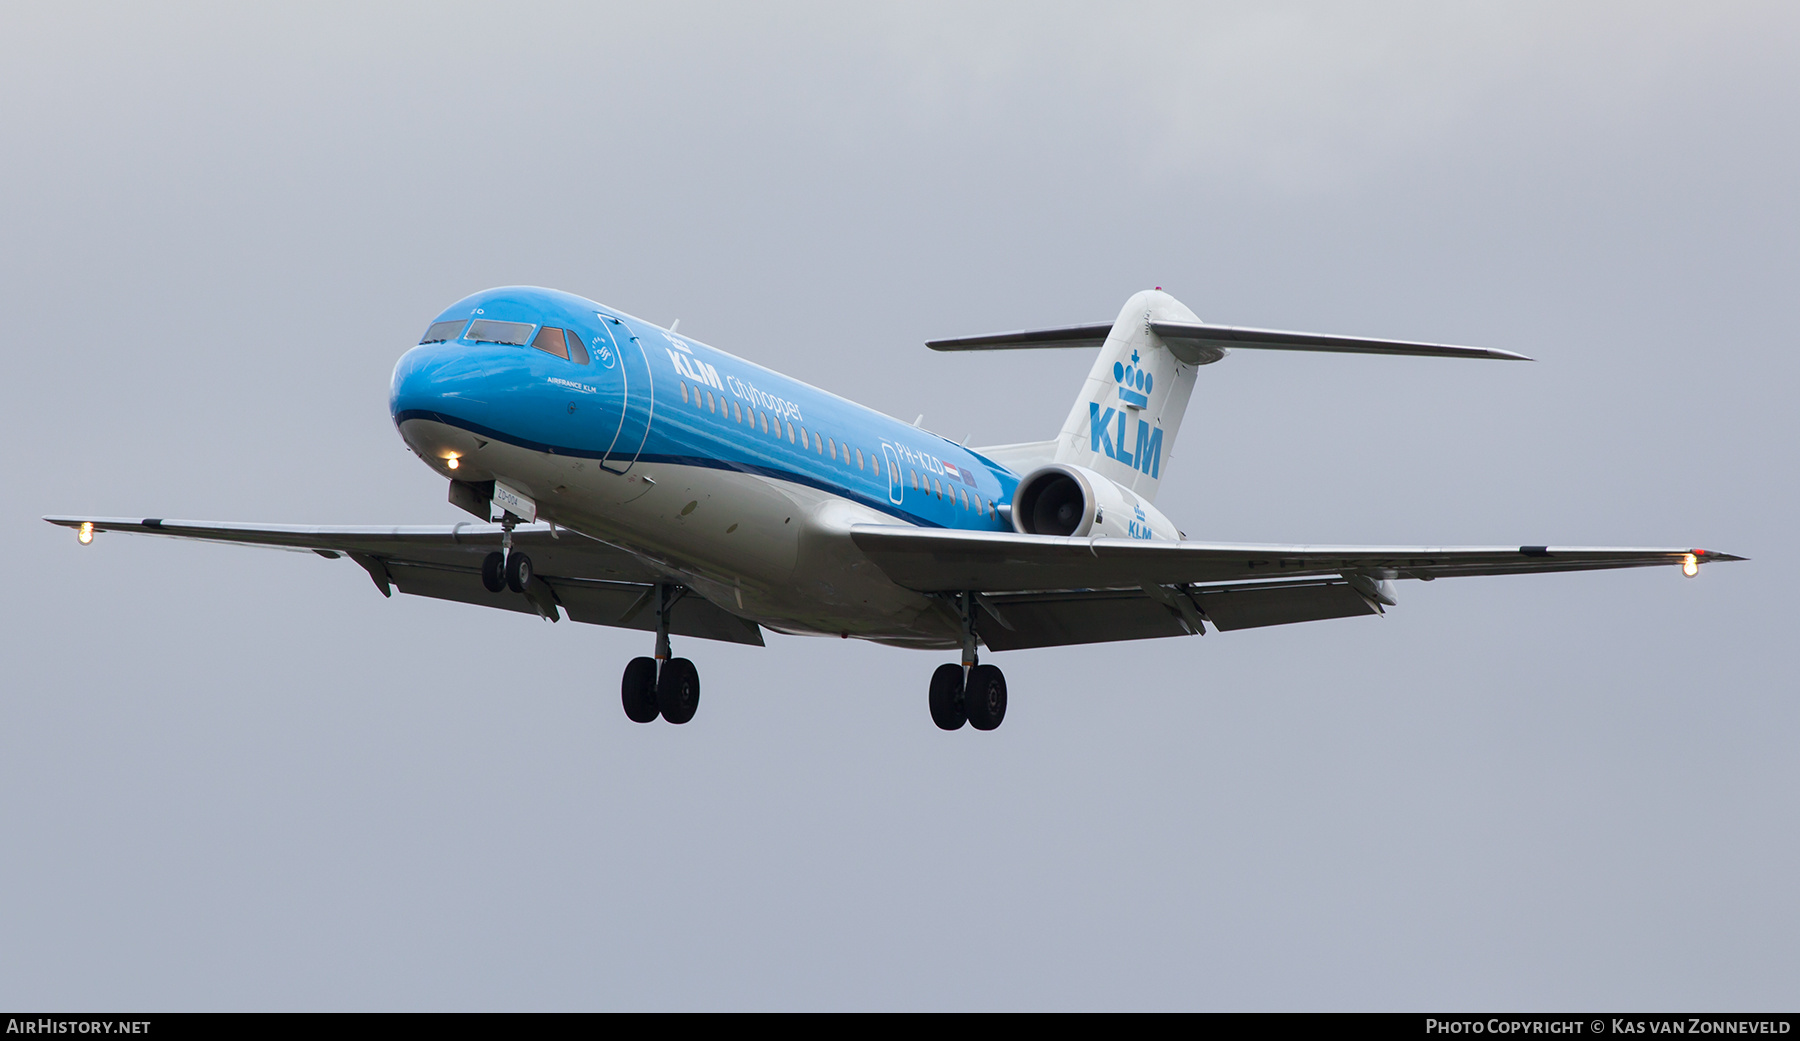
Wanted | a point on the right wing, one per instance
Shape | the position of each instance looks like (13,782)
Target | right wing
(594,582)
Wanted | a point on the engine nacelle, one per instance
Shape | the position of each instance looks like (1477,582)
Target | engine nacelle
(1061,499)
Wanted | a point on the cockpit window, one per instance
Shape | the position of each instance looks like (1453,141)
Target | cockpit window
(485,330)
(577,349)
(550,339)
(441,331)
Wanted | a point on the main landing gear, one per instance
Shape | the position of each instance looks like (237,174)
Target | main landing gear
(661,686)
(505,569)
(968,693)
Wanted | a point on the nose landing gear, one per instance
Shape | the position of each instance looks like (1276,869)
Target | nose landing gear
(663,685)
(518,572)
(493,572)
(970,692)
(504,569)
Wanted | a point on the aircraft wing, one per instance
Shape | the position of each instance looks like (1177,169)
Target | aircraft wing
(1041,590)
(590,580)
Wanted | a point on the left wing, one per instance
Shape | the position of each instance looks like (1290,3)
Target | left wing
(590,580)
(1042,590)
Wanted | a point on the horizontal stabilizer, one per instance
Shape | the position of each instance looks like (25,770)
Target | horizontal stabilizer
(1062,336)
(1201,340)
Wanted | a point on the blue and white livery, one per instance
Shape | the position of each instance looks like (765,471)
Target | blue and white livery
(623,474)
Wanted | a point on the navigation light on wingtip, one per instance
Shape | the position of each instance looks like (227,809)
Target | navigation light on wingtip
(85,533)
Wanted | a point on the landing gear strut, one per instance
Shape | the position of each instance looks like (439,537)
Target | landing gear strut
(505,569)
(970,692)
(663,685)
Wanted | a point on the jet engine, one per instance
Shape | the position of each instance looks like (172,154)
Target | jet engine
(1061,499)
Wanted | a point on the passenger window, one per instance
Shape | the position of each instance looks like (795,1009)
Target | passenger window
(441,331)
(915,479)
(683,391)
(936,488)
(764,416)
(831,448)
(577,349)
(709,402)
(790,427)
(804,443)
(859,459)
(737,414)
(550,341)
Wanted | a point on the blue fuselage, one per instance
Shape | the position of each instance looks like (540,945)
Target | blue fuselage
(716,468)
(646,395)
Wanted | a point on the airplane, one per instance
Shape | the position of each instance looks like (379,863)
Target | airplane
(626,475)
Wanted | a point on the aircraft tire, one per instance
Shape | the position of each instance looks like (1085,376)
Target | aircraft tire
(985,697)
(946,697)
(638,690)
(493,571)
(678,690)
(518,572)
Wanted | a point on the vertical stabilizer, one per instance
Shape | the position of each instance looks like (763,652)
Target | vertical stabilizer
(1124,423)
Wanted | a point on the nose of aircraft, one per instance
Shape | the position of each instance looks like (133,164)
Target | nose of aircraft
(443,396)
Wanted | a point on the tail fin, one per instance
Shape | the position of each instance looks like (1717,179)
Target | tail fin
(1125,420)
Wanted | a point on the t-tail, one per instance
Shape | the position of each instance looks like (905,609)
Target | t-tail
(1124,423)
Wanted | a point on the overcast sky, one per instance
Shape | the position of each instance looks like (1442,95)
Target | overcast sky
(242,779)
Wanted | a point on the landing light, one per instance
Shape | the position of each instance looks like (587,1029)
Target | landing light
(1690,565)
(452,462)
(85,533)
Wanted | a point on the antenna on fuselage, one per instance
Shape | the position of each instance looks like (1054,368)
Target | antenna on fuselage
(674,325)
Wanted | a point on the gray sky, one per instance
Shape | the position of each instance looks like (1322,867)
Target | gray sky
(242,779)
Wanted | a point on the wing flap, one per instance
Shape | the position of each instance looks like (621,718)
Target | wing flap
(612,604)
(1060,619)
(1016,621)
(1251,607)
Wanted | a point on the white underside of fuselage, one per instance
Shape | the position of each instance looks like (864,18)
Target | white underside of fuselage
(775,552)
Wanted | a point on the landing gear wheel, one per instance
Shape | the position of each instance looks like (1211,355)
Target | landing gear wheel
(493,571)
(518,572)
(985,697)
(678,690)
(638,690)
(947,697)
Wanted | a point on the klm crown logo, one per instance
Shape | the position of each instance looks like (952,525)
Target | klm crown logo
(1140,524)
(1110,431)
(1134,383)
